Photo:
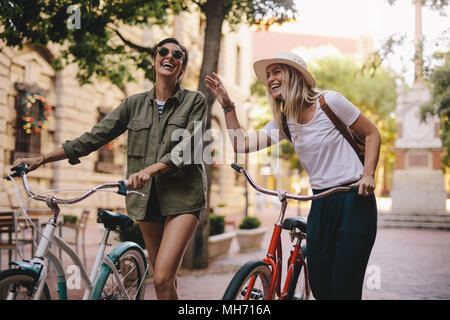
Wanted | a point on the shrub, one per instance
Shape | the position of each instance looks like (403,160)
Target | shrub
(250,223)
(70,219)
(216,224)
(132,234)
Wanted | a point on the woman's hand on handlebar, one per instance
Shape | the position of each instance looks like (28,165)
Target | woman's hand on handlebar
(366,185)
(33,163)
(138,180)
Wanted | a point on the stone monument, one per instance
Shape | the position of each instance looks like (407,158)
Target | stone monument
(418,180)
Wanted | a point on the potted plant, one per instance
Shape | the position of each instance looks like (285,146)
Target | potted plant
(219,241)
(250,234)
(220,208)
(70,219)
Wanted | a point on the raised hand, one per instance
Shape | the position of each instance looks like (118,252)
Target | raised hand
(215,85)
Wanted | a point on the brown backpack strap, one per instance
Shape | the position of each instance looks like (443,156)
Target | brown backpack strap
(339,124)
(284,125)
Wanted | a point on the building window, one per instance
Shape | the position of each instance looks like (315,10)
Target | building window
(105,162)
(26,145)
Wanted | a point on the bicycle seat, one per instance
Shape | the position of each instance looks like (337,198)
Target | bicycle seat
(295,222)
(112,220)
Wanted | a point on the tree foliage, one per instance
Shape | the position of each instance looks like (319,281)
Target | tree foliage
(439,83)
(438,5)
(96,45)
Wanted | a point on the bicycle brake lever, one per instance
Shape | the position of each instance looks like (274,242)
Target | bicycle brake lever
(137,192)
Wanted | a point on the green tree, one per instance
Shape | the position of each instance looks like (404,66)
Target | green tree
(438,5)
(439,83)
(100,50)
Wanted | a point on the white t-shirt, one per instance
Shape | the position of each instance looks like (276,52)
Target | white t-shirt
(327,157)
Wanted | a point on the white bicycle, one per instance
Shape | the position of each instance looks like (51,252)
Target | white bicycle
(120,275)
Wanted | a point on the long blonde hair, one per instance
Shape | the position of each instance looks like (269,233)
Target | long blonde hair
(297,95)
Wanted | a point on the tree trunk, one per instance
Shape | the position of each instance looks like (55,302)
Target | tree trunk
(196,256)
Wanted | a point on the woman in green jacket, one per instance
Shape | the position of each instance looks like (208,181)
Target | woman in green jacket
(158,164)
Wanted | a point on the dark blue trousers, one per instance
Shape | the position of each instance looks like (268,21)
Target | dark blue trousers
(341,232)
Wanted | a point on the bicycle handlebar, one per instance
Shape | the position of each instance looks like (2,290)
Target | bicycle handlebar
(21,170)
(284,194)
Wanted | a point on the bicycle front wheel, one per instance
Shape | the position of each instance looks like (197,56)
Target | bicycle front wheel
(131,268)
(17,284)
(254,275)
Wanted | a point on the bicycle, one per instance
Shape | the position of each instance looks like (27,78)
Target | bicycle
(118,275)
(261,279)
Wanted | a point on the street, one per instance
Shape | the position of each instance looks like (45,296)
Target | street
(406,264)
(410,263)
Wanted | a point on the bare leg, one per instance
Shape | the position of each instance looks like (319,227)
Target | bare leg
(178,232)
(152,233)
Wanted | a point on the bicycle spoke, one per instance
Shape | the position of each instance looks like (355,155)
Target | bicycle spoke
(128,269)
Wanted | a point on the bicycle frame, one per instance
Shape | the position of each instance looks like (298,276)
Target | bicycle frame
(38,265)
(274,254)
(274,258)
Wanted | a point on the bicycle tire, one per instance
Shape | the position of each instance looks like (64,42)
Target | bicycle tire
(236,289)
(298,289)
(24,281)
(130,264)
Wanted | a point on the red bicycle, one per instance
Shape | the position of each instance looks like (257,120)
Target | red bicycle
(261,279)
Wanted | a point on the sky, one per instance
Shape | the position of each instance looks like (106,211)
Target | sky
(375,18)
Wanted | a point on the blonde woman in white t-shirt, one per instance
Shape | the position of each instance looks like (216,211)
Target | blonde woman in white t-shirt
(341,227)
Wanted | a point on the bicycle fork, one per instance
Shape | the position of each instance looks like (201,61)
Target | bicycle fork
(274,255)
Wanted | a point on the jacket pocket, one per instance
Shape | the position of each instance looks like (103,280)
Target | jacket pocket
(138,133)
(176,130)
(177,121)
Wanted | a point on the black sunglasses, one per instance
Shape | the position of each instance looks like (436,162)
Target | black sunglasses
(177,54)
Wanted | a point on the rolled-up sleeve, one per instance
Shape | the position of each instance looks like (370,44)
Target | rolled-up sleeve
(112,126)
(190,149)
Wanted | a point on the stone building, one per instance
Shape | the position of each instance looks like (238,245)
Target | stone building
(75,109)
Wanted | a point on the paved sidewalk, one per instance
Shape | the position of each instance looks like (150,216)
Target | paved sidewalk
(405,263)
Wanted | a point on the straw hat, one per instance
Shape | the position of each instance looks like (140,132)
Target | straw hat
(291,59)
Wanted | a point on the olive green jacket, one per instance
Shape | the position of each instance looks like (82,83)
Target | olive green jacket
(152,140)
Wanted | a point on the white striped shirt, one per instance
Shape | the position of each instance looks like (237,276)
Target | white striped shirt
(160,106)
